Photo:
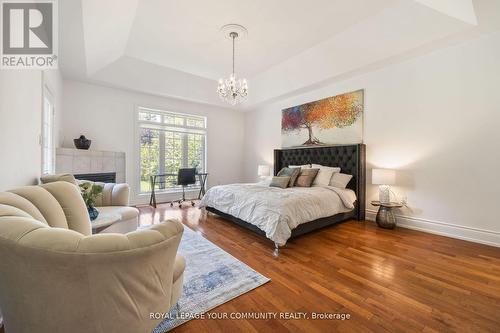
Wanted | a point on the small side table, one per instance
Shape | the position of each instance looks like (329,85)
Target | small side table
(385,218)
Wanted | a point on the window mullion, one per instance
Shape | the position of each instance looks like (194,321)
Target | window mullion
(162,162)
(174,133)
(185,152)
(203,153)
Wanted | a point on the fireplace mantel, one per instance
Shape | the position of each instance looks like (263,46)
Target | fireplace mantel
(77,161)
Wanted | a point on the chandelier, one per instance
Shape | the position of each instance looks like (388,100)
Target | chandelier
(233,90)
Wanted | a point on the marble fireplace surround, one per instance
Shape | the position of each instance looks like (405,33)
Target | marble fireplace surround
(77,161)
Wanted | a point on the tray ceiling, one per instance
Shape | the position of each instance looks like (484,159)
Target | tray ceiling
(174,47)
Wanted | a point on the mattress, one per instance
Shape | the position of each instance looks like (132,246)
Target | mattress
(278,211)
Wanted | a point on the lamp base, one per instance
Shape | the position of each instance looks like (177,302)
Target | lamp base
(384,194)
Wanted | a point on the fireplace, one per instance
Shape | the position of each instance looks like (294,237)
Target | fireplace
(103,177)
(92,164)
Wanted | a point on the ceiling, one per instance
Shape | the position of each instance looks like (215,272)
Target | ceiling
(174,47)
(185,34)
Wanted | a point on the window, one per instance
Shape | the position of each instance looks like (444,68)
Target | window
(169,141)
(47,137)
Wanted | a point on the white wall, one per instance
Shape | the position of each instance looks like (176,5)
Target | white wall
(21,95)
(436,120)
(20,125)
(107,117)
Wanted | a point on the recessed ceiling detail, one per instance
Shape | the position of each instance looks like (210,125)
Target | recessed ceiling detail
(175,47)
(459,9)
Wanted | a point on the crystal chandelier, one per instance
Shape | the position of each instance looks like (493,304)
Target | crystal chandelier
(233,90)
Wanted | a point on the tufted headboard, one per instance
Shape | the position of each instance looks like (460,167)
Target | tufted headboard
(350,159)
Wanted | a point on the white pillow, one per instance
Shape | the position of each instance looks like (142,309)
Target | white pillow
(265,181)
(319,166)
(324,174)
(340,180)
(305,166)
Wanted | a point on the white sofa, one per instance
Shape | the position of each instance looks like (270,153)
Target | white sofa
(114,200)
(56,277)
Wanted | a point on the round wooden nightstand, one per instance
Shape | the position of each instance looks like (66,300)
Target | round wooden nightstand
(385,218)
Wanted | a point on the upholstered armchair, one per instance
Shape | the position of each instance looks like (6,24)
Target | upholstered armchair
(55,276)
(114,200)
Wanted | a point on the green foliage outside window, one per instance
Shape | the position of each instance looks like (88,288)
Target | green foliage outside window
(180,148)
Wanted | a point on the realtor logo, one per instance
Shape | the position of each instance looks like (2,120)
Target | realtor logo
(29,34)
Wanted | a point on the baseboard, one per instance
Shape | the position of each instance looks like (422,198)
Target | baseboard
(162,197)
(476,235)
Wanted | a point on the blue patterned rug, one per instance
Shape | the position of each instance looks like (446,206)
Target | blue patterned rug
(212,277)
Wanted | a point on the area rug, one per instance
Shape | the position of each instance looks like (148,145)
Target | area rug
(212,277)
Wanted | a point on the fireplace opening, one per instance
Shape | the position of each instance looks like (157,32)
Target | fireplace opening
(103,177)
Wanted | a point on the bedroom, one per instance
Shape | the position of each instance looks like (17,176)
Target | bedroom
(401,95)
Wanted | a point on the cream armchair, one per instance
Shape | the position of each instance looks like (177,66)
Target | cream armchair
(55,276)
(113,201)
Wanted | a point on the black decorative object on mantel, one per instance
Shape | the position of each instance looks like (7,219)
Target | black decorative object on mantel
(82,142)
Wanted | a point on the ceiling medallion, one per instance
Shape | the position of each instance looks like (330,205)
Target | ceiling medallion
(233,90)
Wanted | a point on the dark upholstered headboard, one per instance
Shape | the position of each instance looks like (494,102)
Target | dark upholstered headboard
(349,158)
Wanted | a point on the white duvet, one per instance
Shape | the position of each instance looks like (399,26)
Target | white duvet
(278,211)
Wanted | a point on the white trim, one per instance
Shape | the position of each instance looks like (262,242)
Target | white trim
(49,97)
(160,111)
(136,157)
(164,197)
(471,234)
(138,197)
(172,190)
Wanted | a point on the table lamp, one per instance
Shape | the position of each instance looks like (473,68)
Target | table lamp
(263,171)
(384,178)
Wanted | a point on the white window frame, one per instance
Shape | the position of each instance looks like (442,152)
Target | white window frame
(137,150)
(47,143)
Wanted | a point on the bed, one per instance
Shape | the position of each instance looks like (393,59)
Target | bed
(281,214)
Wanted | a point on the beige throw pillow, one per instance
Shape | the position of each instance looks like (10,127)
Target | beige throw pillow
(306,177)
(280,181)
(293,173)
(340,180)
(325,174)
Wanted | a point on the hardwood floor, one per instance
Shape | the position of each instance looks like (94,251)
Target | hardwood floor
(387,280)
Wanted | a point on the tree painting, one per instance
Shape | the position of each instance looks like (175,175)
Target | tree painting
(338,112)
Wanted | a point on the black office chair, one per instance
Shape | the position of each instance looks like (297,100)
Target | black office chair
(185,177)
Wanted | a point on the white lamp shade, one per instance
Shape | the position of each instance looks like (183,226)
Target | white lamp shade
(383,177)
(264,170)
